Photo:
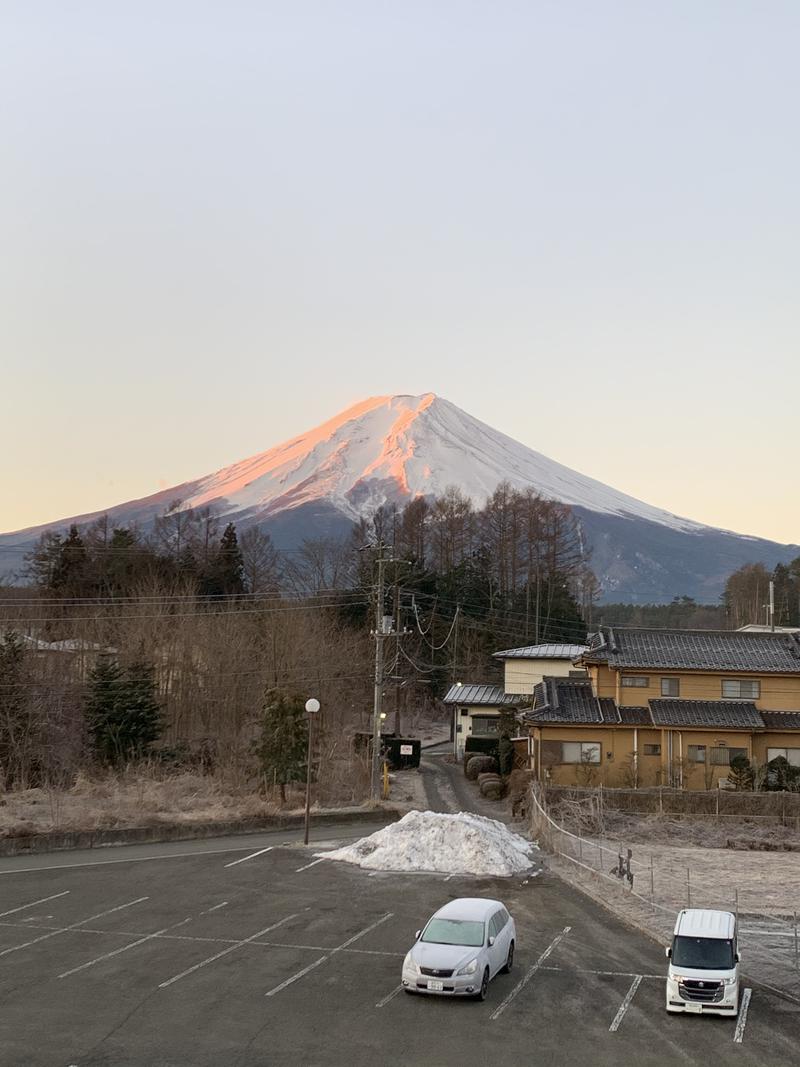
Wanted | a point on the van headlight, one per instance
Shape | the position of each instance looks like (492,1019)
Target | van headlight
(731,981)
(470,968)
(410,964)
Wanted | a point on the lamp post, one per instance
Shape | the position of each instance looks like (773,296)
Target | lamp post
(312,707)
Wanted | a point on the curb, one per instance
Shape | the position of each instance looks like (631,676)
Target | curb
(30,844)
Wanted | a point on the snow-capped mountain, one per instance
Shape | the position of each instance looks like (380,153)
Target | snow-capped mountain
(394,448)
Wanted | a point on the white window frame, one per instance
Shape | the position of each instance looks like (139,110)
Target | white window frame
(585,750)
(635,681)
(483,716)
(753,683)
(791,755)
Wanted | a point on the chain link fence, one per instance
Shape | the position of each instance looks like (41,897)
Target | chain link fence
(649,892)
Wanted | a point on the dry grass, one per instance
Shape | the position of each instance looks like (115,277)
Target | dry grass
(140,797)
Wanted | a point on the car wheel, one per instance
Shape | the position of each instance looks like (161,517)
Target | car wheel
(484,989)
(509,959)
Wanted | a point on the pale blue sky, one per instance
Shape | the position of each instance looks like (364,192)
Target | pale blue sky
(222,222)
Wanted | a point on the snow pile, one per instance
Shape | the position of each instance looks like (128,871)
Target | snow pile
(449,844)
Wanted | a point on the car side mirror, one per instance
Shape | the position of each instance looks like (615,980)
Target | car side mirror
(490,942)
(668,952)
(416,935)
(737,957)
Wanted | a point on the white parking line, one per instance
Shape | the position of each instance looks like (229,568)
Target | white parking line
(320,860)
(33,903)
(119,951)
(339,948)
(218,906)
(741,1022)
(296,977)
(252,856)
(64,929)
(391,996)
(626,1003)
(130,859)
(604,974)
(225,951)
(529,974)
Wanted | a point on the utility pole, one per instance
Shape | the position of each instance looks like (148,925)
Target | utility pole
(772,606)
(380,633)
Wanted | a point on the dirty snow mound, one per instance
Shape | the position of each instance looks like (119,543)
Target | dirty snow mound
(450,844)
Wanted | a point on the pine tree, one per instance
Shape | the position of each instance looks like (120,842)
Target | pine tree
(123,713)
(69,574)
(281,746)
(16,724)
(740,774)
(229,564)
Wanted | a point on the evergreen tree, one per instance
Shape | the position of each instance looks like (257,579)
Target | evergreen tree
(741,774)
(230,563)
(282,744)
(123,713)
(70,572)
(16,724)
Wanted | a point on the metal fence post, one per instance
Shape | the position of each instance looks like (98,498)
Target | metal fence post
(688,889)
(736,895)
(652,885)
(796,956)
(580,847)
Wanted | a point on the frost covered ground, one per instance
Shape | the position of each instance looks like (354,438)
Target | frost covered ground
(448,844)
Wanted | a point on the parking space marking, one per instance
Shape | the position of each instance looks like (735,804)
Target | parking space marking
(218,906)
(252,856)
(33,903)
(296,977)
(605,974)
(391,996)
(339,948)
(320,860)
(119,951)
(741,1022)
(129,859)
(529,974)
(626,1003)
(74,926)
(225,951)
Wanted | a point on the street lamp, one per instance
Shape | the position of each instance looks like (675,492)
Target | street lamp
(312,707)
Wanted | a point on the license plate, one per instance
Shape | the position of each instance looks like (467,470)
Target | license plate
(689,1006)
(437,987)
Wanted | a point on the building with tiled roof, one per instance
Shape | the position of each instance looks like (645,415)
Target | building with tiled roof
(668,707)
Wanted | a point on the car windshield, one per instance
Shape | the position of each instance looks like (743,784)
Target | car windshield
(453,932)
(705,953)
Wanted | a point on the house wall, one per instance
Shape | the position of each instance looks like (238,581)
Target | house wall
(615,769)
(778,692)
(521,675)
(773,739)
(464,723)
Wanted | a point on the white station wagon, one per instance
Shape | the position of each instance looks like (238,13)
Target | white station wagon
(462,947)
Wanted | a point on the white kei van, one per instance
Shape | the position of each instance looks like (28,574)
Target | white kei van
(703,974)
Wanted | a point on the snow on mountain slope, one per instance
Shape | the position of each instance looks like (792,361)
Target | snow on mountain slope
(393,448)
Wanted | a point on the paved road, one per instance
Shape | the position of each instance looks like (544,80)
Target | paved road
(244,952)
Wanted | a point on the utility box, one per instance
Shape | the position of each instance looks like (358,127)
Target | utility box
(402,752)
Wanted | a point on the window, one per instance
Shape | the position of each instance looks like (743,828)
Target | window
(721,756)
(791,755)
(485,724)
(670,687)
(697,753)
(635,681)
(652,750)
(577,674)
(741,688)
(580,752)
(465,711)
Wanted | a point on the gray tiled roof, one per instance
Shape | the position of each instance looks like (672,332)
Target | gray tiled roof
(569,652)
(781,720)
(718,714)
(710,650)
(567,700)
(486,695)
(635,716)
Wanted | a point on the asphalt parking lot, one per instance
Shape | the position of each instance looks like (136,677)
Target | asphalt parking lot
(250,952)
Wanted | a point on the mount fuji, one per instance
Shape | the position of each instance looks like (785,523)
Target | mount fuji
(390,449)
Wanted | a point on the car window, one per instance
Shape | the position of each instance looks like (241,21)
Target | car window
(496,924)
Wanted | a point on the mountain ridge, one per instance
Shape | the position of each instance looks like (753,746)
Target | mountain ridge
(390,449)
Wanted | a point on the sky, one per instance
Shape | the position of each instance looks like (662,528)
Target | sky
(223,222)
